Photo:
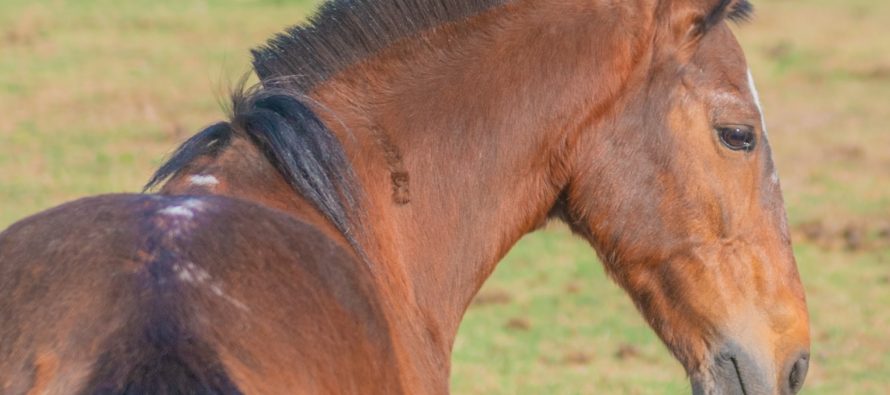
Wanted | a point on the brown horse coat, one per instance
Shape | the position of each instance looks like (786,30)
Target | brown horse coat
(143,309)
(329,237)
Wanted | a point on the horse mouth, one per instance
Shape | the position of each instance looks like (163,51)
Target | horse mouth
(738,373)
(733,372)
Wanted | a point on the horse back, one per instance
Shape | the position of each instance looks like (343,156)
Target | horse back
(138,294)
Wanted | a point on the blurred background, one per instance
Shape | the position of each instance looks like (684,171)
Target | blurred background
(94,94)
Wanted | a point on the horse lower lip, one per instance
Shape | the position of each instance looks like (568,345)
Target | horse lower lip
(738,372)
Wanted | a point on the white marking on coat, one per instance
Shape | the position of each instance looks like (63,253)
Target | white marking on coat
(193,204)
(204,180)
(191,273)
(756,97)
(774,177)
(177,211)
(184,210)
(217,290)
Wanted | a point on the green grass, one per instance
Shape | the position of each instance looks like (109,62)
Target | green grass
(576,324)
(559,326)
(95,92)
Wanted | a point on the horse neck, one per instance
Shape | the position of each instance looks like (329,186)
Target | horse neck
(475,123)
(462,141)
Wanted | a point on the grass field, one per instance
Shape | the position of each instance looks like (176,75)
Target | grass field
(94,93)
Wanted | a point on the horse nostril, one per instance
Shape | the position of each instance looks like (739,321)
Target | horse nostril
(798,373)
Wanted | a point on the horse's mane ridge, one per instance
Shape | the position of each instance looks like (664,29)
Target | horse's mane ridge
(344,32)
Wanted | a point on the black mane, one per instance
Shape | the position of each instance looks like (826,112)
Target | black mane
(346,31)
(275,116)
(293,139)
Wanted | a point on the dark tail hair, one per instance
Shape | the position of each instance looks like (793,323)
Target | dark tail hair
(158,358)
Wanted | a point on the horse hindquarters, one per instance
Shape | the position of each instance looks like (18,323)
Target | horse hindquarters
(81,310)
(151,295)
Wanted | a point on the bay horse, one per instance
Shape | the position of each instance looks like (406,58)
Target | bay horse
(330,235)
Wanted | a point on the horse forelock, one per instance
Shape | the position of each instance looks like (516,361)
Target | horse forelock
(734,10)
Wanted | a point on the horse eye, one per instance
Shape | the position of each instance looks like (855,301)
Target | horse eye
(737,137)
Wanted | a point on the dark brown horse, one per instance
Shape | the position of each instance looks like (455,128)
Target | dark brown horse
(329,237)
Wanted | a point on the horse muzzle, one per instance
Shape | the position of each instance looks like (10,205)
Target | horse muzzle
(734,371)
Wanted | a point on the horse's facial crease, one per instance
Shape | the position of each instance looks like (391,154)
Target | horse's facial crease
(681,200)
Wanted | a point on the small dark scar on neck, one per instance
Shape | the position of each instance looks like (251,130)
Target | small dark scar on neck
(400,193)
(398,175)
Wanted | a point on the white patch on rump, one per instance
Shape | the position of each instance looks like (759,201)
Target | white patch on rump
(191,273)
(195,275)
(177,211)
(184,210)
(217,290)
(193,204)
(204,180)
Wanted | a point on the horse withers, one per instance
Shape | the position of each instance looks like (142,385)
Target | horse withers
(329,236)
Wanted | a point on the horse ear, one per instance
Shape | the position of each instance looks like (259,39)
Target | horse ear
(689,20)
